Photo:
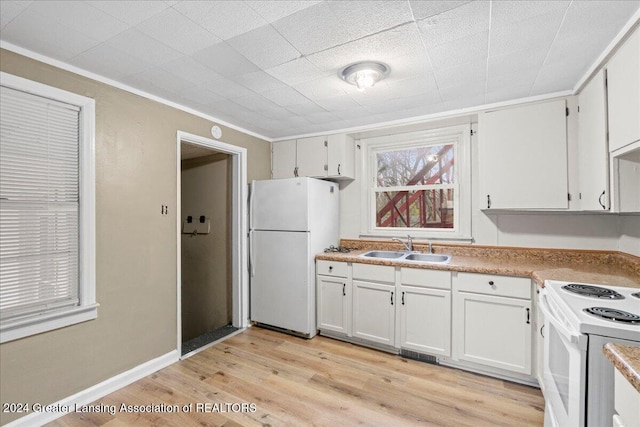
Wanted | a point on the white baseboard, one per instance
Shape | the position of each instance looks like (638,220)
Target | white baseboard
(99,390)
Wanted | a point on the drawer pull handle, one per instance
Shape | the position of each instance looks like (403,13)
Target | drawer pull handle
(391,298)
(528,316)
(490,282)
(344,289)
(330,268)
(403,298)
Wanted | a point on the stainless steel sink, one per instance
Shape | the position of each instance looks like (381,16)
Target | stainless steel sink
(383,254)
(430,258)
(409,256)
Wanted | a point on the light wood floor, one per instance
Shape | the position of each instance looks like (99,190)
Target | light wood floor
(325,382)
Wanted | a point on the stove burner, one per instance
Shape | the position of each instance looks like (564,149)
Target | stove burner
(614,315)
(636,294)
(592,291)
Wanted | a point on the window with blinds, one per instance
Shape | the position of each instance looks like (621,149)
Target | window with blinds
(41,141)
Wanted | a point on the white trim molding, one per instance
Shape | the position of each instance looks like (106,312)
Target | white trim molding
(239,255)
(96,392)
(97,77)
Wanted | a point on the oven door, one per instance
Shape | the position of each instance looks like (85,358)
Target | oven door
(564,368)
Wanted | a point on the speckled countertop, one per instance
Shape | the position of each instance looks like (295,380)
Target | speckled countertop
(626,359)
(600,267)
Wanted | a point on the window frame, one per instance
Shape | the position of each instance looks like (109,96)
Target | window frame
(86,309)
(460,137)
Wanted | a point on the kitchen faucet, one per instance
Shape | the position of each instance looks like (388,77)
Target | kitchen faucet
(408,245)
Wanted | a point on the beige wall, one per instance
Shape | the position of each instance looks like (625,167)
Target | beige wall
(135,244)
(206,262)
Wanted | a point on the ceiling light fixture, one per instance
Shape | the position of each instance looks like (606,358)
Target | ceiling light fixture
(364,74)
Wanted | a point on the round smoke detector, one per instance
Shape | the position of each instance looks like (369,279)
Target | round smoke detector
(216,132)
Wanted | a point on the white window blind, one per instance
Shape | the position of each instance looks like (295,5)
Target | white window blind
(39,204)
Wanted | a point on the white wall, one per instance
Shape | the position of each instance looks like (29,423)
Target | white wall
(544,230)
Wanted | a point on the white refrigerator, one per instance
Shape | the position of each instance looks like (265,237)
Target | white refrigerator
(291,220)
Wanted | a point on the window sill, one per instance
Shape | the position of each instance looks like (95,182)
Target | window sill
(37,324)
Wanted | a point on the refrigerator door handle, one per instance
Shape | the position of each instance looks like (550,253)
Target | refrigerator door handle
(252,269)
(252,189)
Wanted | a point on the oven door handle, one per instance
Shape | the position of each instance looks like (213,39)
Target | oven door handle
(572,337)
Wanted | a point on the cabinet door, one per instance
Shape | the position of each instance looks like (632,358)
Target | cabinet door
(341,156)
(283,159)
(312,157)
(425,320)
(493,331)
(623,92)
(593,152)
(374,312)
(523,157)
(333,304)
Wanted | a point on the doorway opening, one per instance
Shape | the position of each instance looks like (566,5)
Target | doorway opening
(211,260)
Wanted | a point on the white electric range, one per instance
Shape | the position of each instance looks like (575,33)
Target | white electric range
(580,318)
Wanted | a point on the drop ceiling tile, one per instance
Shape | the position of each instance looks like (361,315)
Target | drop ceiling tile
(507,13)
(255,102)
(465,89)
(278,113)
(464,102)
(467,49)
(227,88)
(285,96)
(338,103)
(306,107)
(191,70)
(321,117)
(586,16)
(458,23)
(38,33)
(326,87)
(178,32)
(81,17)
(406,88)
(507,93)
(258,81)
(556,77)
(225,19)
(523,77)
(273,10)
(354,114)
(408,66)
(401,41)
(156,78)
(516,62)
(10,9)
(105,60)
(369,17)
(130,11)
(463,73)
(295,121)
(201,95)
(424,9)
(224,60)
(296,71)
(144,47)
(264,46)
(531,34)
(313,29)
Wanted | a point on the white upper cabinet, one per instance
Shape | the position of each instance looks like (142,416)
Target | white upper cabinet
(283,158)
(623,77)
(593,153)
(312,156)
(523,157)
(331,156)
(341,156)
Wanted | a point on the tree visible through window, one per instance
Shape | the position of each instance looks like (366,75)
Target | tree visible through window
(415,187)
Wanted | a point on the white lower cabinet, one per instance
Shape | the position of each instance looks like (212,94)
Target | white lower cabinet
(492,329)
(334,297)
(425,320)
(374,312)
(470,320)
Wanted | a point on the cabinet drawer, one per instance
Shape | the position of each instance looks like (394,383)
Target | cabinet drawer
(377,273)
(333,268)
(425,278)
(491,284)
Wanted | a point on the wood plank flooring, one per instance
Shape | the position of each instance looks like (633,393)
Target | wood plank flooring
(319,382)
